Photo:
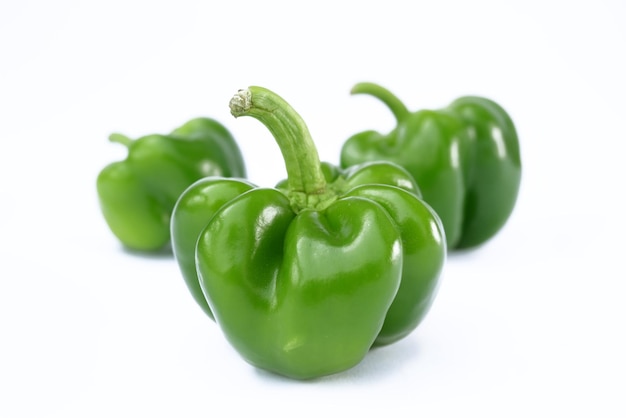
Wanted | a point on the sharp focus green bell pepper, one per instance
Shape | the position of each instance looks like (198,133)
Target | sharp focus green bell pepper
(465,158)
(137,195)
(304,278)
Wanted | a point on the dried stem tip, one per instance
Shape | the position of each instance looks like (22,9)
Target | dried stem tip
(241,102)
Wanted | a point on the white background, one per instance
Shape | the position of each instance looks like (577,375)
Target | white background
(531,324)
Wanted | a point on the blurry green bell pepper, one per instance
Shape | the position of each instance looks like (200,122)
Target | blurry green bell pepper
(465,158)
(137,195)
(304,278)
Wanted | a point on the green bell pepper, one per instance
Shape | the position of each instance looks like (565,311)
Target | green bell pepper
(465,158)
(304,278)
(137,195)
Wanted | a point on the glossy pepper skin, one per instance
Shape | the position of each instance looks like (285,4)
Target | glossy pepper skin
(137,195)
(465,158)
(304,278)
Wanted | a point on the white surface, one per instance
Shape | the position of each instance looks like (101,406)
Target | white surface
(532,324)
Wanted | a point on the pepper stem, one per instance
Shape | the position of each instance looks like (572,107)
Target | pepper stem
(120,139)
(394,104)
(305,179)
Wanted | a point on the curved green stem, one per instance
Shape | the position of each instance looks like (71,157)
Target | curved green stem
(120,139)
(305,178)
(394,104)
